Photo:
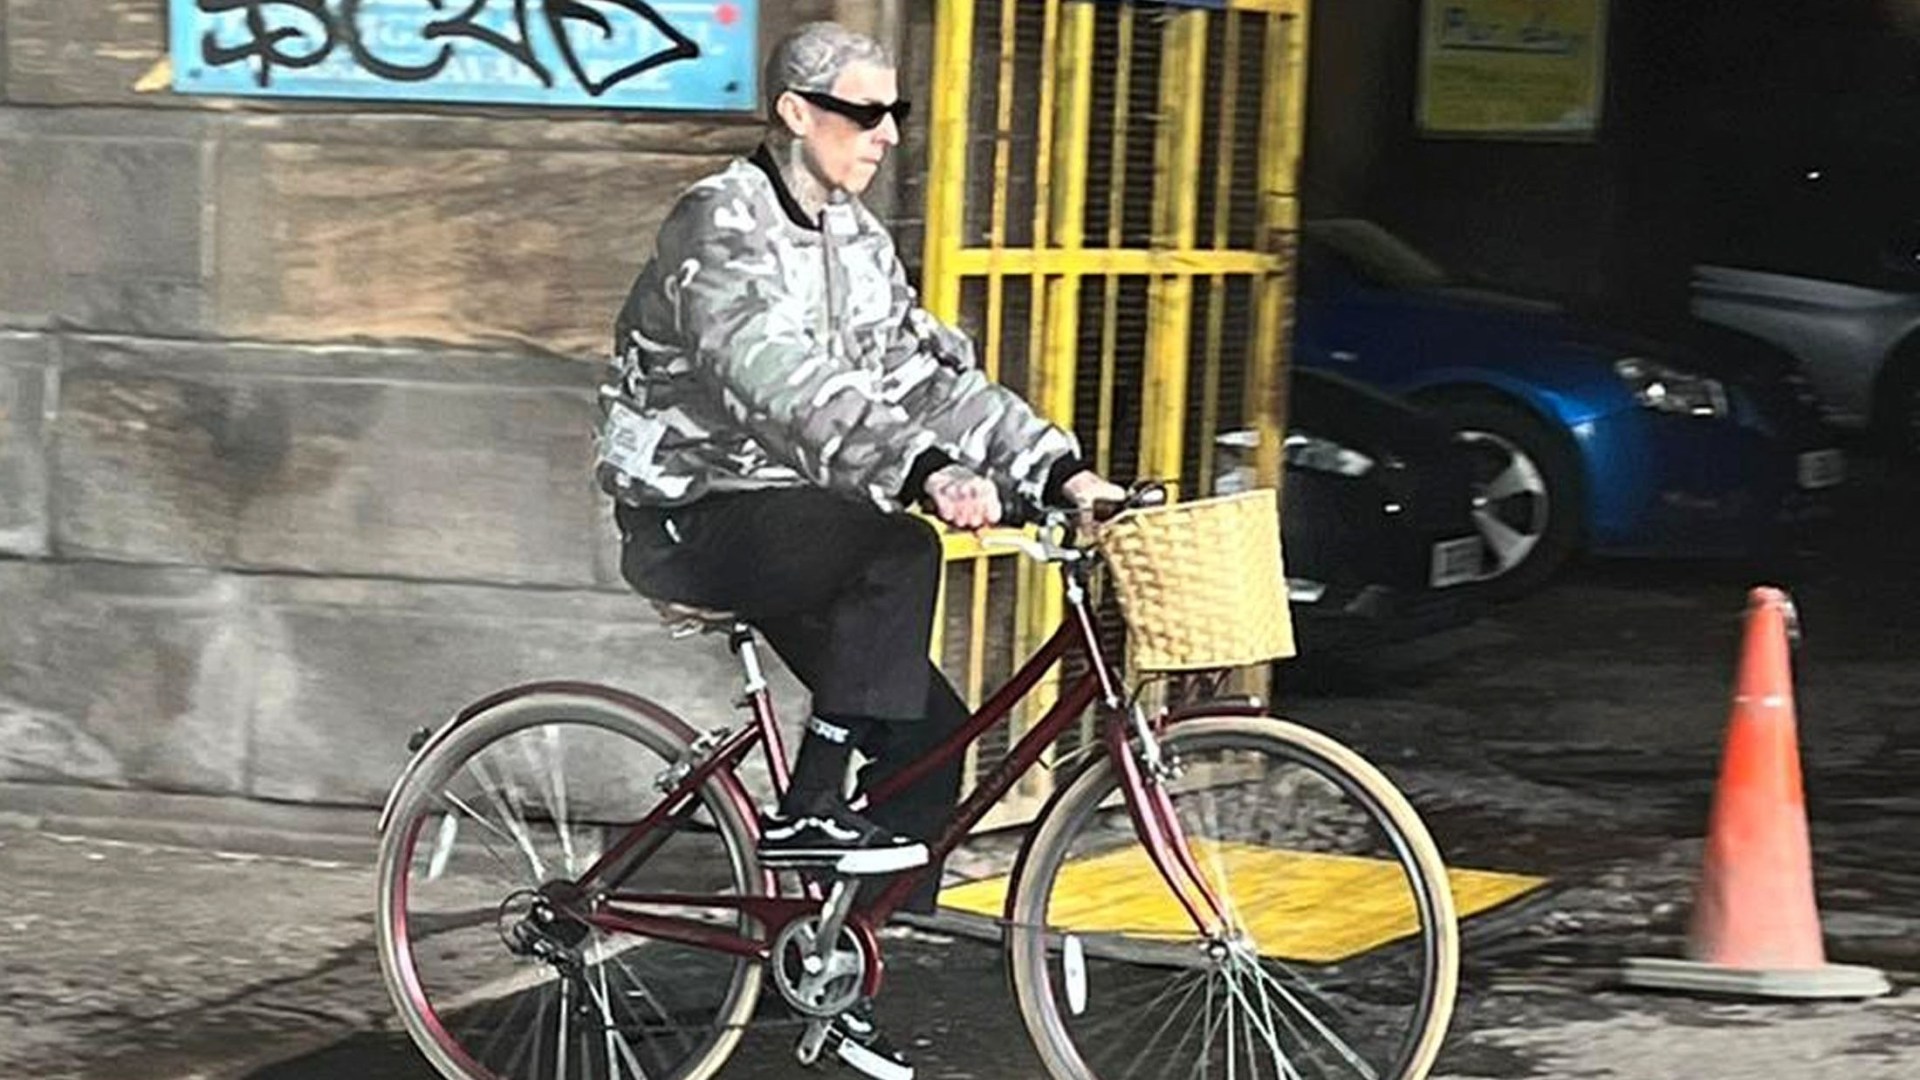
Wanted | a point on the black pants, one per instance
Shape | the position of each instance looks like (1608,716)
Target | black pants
(844,593)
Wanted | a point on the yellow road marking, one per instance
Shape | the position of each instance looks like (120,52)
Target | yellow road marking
(1315,908)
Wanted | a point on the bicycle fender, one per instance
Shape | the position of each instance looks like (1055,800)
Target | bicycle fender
(736,793)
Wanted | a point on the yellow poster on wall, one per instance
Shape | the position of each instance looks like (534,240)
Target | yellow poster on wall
(1532,68)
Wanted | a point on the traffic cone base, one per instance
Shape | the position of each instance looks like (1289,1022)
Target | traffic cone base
(1826,981)
(1756,925)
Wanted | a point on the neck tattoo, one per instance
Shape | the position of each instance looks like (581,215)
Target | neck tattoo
(808,189)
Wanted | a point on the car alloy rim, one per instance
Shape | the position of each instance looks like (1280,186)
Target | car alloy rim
(1510,508)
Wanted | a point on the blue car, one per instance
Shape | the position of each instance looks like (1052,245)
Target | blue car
(1584,438)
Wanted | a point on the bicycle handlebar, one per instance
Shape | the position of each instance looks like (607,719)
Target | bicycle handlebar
(1016,512)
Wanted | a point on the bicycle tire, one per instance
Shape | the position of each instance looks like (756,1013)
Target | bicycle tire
(1072,808)
(663,734)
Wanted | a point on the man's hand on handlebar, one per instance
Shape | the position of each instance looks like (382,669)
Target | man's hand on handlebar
(1096,497)
(963,498)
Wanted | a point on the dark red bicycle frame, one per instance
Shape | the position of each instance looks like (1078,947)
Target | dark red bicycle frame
(1146,800)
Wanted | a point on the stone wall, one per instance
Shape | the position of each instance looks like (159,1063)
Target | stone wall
(295,415)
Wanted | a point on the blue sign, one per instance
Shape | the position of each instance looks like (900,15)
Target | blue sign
(610,54)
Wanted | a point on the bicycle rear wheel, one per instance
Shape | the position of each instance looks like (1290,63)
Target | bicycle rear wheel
(492,970)
(1342,958)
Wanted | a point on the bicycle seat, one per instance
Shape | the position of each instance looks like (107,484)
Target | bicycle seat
(685,619)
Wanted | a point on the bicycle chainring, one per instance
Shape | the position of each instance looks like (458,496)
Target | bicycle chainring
(819,987)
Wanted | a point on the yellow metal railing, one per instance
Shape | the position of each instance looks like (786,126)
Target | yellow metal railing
(1109,211)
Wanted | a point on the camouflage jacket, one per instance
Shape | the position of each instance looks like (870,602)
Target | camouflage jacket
(756,350)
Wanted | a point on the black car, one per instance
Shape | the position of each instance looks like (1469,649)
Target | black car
(1376,516)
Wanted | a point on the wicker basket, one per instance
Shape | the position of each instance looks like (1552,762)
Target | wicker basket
(1202,583)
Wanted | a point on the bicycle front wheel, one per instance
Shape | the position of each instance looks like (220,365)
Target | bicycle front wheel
(490,956)
(1340,956)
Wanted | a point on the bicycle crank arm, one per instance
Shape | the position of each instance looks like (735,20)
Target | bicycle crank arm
(833,916)
(807,1050)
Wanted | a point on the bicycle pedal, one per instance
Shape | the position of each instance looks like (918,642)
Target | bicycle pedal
(862,1059)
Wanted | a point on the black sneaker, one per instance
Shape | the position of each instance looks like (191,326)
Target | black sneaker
(838,838)
(855,1041)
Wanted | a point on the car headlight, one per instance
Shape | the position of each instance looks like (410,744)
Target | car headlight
(1667,390)
(1325,455)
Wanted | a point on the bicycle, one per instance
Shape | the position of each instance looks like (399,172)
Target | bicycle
(634,929)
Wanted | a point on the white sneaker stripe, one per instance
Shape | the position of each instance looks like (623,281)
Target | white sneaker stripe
(871,1063)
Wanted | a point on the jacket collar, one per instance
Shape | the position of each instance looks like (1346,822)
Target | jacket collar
(763,157)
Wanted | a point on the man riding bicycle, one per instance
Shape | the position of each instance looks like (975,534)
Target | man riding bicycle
(781,399)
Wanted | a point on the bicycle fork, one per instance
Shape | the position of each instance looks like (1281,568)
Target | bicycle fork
(1147,801)
(1143,777)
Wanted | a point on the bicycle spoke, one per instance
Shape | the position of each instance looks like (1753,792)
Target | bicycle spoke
(1298,1036)
(443,839)
(1188,1034)
(537,1032)
(656,838)
(1227,1005)
(554,791)
(566,1016)
(1305,986)
(1346,1051)
(653,999)
(425,926)
(1121,995)
(1168,991)
(528,977)
(1252,1033)
(552,994)
(1205,1064)
(1146,1052)
(1271,823)
(1287,1070)
(611,1034)
(514,833)
(500,820)
(1222,881)
(461,805)
(1253,1022)
(1230,1005)
(502,798)
(539,1001)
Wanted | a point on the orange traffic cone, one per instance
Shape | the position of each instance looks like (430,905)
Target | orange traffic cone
(1756,926)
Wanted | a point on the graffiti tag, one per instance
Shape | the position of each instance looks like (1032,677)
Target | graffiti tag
(592,47)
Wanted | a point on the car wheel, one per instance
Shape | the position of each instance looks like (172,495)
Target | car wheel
(1526,495)
(1896,404)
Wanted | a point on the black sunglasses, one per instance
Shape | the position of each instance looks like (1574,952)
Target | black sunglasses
(867,114)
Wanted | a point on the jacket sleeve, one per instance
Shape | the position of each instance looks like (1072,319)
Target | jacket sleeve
(982,424)
(756,344)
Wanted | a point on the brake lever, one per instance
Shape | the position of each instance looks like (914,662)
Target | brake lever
(1030,547)
(1034,549)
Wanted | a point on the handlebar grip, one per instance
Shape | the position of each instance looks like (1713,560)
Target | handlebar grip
(1145,493)
(1015,511)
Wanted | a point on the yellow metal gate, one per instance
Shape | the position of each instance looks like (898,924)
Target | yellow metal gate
(1110,213)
